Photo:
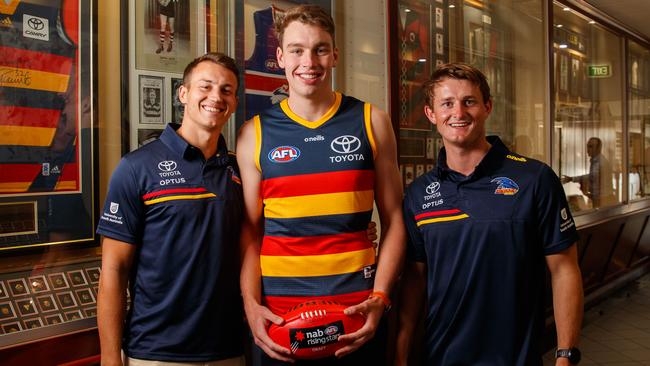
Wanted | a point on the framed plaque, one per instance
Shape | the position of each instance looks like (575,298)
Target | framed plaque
(48,154)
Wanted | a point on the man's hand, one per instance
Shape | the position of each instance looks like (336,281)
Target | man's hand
(372,233)
(373,308)
(259,317)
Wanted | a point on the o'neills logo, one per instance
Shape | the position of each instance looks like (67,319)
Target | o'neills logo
(36,27)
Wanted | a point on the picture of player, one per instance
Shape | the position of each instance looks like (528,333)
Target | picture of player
(151,102)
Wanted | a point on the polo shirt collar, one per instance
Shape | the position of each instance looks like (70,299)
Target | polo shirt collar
(181,147)
(493,158)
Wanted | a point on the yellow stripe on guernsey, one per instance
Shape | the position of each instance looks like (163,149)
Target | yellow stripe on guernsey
(35,80)
(367,118)
(15,187)
(26,135)
(313,124)
(318,204)
(179,197)
(442,219)
(257,123)
(316,265)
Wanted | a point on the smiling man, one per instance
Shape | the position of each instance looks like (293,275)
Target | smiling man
(312,166)
(170,230)
(482,225)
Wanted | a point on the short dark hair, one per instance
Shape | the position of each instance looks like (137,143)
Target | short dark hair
(305,14)
(459,71)
(215,57)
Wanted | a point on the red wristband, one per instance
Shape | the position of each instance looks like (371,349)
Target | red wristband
(383,297)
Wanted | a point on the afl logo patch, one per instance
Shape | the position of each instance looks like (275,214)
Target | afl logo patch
(284,154)
(505,186)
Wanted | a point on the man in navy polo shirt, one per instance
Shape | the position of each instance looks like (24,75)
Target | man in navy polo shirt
(482,225)
(171,228)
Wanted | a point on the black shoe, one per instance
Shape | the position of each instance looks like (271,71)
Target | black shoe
(169,47)
(160,48)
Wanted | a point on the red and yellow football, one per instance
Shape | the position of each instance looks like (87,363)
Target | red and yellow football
(311,329)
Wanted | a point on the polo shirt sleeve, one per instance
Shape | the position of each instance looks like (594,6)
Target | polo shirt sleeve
(122,215)
(415,242)
(555,223)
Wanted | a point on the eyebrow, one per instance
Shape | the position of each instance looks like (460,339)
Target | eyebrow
(320,44)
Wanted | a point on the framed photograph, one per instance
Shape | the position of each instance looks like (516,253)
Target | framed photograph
(47,150)
(18,287)
(168,33)
(38,284)
(152,89)
(430,148)
(57,280)
(7,311)
(177,107)
(46,303)
(412,147)
(53,319)
(564,72)
(73,315)
(428,168)
(90,312)
(66,300)
(12,327)
(440,44)
(409,174)
(419,170)
(85,296)
(93,274)
(77,278)
(33,323)
(26,307)
(440,18)
(3,291)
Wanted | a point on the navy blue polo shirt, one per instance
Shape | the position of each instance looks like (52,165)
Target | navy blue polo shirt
(183,213)
(484,238)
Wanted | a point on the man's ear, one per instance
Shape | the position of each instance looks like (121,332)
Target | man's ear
(280,56)
(429,113)
(182,94)
(488,106)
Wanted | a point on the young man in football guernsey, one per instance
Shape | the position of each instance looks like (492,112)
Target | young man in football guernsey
(171,229)
(482,225)
(312,166)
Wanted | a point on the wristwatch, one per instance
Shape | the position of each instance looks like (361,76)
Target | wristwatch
(573,354)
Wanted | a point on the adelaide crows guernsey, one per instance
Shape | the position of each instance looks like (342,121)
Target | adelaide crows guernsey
(318,192)
(38,114)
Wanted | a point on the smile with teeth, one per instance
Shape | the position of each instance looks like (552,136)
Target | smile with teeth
(458,124)
(212,109)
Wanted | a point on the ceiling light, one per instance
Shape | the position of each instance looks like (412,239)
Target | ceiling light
(592,22)
(559,25)
(407,10)
(422,60)
(452,6)
(566,9)
(563,45)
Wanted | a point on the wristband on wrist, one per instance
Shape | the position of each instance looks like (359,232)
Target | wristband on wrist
(383,297)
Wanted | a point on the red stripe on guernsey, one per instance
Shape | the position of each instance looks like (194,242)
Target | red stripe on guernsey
(172,191)
(25,59)
(259,82)
(315,245)
(19,172)
(436,213)
(29,117)
(70,172)
(318,183)
(281,304)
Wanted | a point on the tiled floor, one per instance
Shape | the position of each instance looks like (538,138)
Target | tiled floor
(617,331)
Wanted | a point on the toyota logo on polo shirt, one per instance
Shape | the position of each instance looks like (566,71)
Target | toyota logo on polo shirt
(345,144)
(433,187)
(167,165)
(35,24)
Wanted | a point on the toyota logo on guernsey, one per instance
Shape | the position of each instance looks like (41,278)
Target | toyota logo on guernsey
(346,145)
(167,165)
(284,154)
(35,27)
(433,188)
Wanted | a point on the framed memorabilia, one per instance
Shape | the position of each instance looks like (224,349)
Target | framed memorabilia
(3,291)
(177,107)
(58,280)
(73,315)
(428,168)
(440,20)
(85,296)
(46,303)
(430,148)
(77,278)
(26,307)
(12,327)
(93,274)
(151,90)
(411,147)
(564,72)
(409,174)
(146,135)
(38,284)
(7,311)
(90,312)
(53,319)
(33,323)
(419,170)
(167,33)
(18,287)
(47,144)
(66,300)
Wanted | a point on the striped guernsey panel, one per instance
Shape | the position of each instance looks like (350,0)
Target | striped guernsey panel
(318,193)
(38,101)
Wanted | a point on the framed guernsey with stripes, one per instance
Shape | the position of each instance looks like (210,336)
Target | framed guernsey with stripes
(47,109)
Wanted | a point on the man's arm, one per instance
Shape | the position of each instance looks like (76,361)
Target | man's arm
(117,259)
(388,197)
(410,310)
(566,282)
(250,242)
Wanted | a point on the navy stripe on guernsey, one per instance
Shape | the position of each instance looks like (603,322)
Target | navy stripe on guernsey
(314,286)
(323,225)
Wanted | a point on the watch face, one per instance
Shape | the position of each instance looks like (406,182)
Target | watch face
(574,356)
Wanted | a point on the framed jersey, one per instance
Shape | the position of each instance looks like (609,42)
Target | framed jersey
(47,120)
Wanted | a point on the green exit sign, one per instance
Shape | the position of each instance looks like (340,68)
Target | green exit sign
(599,71)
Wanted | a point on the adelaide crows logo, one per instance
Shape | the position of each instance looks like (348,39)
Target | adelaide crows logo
(505,186)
